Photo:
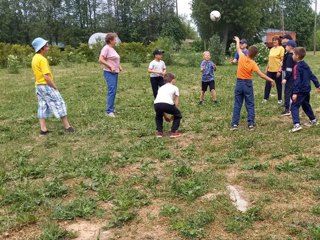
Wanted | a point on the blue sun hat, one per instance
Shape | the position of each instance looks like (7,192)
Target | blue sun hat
(38,43)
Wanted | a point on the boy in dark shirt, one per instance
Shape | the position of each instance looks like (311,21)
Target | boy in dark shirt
(301,90)
(288,79)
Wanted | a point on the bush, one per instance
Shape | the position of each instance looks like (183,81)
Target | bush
(263,55)
(54,56)
(87,52)
(198,46)
(20,51)
(216,50)
(13,64)
(127,50)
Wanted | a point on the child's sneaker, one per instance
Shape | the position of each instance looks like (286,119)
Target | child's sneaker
(111,114)
(311,123)
(264,100)
(43,133)
(279,102)
(159,134)
(234,127)
(175,134)
(69,129)
(286,113)
(251,126)
(297,127)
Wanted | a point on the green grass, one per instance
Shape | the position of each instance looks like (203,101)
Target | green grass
(62,178)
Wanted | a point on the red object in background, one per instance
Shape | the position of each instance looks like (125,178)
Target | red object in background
(270,35)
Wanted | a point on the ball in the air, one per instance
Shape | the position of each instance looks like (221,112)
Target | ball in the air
(215,15)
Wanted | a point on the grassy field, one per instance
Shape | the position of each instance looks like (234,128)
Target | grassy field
(114,174)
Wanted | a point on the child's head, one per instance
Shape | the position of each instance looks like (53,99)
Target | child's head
(206,55)
(158,54)
(40,45)
(252,51)
(298,53)
(169,78)
(243,43)
(290,45)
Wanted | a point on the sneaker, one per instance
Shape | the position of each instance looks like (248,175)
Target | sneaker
(43,133)
(286,113)
(314,122)
(234,127)
(297,127)
(111,114)
(159,134)
(69,129)
(251,126)
(200,103)
(175,134)
(264,100)
(279,102)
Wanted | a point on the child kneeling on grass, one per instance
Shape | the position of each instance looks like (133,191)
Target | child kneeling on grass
(301,90)
(167,102)
(49,99)
(244,86)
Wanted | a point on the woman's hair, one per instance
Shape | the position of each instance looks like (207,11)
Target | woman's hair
(168,77)
(252,51)
(300,52)
(110,36)
(277,38)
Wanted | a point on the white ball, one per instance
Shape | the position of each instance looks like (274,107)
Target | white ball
(215,15)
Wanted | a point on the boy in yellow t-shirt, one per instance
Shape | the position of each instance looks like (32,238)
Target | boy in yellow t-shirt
(49,99)
(244,86)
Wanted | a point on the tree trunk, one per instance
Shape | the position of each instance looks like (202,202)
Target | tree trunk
(225,38)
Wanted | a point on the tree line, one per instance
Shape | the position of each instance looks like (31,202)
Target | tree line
(73,21)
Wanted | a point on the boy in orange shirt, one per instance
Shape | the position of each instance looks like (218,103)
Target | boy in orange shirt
(244,86)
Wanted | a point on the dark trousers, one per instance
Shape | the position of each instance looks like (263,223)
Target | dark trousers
(162,108)
(243,91)
(156,82)
(268,85)
(287,94)
(304,101)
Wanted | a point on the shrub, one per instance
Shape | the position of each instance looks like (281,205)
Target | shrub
(87,52)
(216,50)
(54,56)
(127,50)
(198,46)
(13,64)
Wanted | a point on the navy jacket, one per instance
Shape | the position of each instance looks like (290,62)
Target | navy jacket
(302,76)
(289,63)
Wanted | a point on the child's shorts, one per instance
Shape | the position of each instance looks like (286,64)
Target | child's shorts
(50,102)
(210,84)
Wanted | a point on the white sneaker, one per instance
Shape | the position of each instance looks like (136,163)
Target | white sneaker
(264,101)
(297,127)
(111,114)
(279,102)
(314,122)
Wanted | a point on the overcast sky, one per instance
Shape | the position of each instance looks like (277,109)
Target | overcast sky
(184,7)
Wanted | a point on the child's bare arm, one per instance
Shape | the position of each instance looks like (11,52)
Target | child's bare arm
(265,77)
(50,82)
(176,101)
(238,45)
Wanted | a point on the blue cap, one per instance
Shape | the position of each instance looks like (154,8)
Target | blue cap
(38,43)
(243,40)
(291,43)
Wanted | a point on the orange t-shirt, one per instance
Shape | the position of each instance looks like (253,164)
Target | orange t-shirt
(245,67)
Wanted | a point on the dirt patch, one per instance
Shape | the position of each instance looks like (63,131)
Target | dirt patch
(85,230)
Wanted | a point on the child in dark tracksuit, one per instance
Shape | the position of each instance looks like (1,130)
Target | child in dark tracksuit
(301,90)
(288,79)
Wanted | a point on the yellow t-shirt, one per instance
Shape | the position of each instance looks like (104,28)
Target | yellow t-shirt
(275,56)
(40,67)
(245,67)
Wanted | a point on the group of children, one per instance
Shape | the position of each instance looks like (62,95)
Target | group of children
(297,76)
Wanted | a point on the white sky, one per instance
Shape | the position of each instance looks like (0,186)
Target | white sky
(184,7)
